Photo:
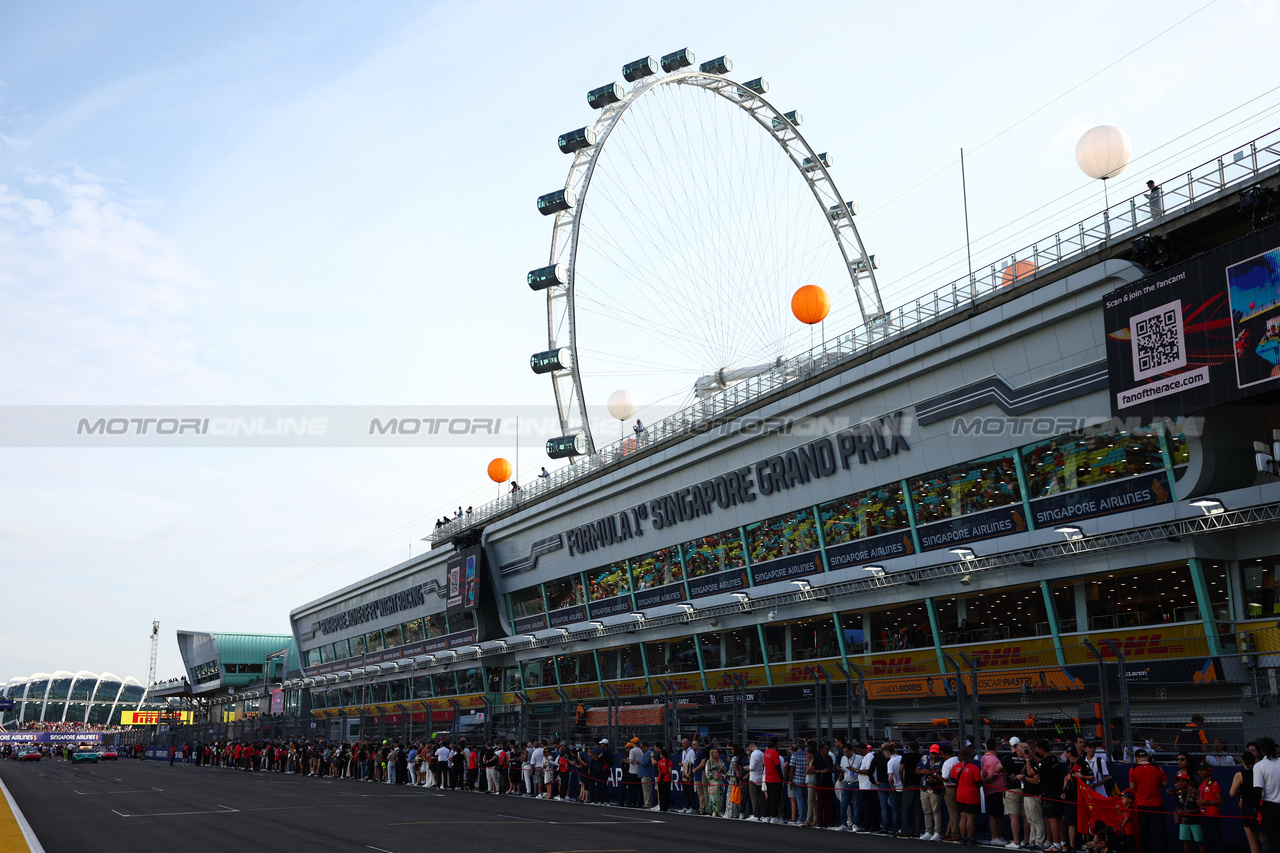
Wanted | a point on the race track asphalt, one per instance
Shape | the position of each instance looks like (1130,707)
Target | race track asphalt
(132,806)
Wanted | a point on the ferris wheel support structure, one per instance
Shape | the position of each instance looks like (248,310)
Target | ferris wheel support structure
(587,145)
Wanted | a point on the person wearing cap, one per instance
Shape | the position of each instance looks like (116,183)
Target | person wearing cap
(1128,823)
(1032,805)
(929,776)
(1209,796)
(1147,783)
(1011,769)
(631,778)
(598,768)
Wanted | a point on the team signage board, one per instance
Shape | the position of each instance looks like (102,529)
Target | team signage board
(1197,334)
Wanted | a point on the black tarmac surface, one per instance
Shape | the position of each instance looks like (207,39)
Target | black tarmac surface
(149,806)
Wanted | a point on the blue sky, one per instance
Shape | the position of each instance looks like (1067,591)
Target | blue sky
(331,203)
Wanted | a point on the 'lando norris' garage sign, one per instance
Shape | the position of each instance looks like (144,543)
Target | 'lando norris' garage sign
(861,445)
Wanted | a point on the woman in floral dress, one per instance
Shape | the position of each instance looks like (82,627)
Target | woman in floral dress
(714,775)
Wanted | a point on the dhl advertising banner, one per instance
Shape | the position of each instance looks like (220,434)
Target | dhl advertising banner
(802,673)
(1005,667)
(1153,643)
(723,679)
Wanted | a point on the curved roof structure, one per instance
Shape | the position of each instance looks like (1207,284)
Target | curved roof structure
(71,697)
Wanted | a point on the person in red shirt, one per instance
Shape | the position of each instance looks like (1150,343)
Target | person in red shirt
(968,780)
(773,780)
(1128,821)
(1210,798)
(1147,782)
(663,770)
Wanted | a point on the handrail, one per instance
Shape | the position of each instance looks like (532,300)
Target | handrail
(1121,221)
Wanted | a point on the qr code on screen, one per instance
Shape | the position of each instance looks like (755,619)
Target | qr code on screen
(1159,342)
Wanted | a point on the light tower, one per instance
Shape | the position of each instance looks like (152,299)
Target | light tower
(151,670)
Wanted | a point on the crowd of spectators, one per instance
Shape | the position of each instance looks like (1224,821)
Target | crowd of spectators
(36,726)
(1017,795)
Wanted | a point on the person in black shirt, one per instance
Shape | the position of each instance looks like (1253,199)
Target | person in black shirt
(912,814)
(1051,779)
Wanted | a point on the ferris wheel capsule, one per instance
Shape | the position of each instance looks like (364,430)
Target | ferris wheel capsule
(556,275)
(556,202)
(679,59)
(758,85)
(793,116)
(719,65)
(566,446)
(576,140)
(550,361)
(811,164)
(602,97)
(645,67)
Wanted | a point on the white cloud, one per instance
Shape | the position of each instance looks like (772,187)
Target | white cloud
(97,301)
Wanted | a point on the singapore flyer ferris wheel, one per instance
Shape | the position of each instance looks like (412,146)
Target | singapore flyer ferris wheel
(692,211)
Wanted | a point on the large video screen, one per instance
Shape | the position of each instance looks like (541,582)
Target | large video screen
(1197,334)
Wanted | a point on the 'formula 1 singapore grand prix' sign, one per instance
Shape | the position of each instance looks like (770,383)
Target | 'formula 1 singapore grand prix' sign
(860,445)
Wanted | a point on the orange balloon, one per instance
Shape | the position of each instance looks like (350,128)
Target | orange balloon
(1017,272)
(499,470)
(811,304)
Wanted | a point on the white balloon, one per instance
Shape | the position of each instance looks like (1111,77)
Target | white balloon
(622,405)
(1103,151)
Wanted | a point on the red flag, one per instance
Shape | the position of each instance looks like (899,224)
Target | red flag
(1093,807)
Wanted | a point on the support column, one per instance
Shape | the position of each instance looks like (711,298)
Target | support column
(937,634)
(1052,614)
(1082,605)
(911,514)
(1206,608)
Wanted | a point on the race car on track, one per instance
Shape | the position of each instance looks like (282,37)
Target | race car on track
(109,754)
(85,753)
(28,753)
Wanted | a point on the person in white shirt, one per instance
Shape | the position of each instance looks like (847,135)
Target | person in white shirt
(1097,763)
(443,755)
(846,786)
(1266,783)
(891,791)
(868,805)
(949,794)
(537,758)
(688,760)
(531,767)
(755,780)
